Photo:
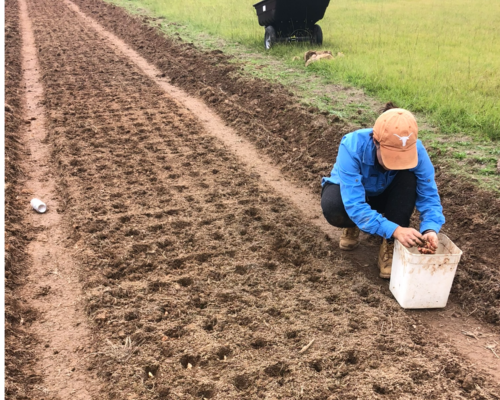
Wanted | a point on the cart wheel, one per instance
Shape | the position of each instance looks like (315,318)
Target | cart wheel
(317,35)
(269,37)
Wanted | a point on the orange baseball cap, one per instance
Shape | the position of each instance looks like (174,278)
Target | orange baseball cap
(396,130)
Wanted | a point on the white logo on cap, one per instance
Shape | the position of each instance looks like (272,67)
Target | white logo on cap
(404,138)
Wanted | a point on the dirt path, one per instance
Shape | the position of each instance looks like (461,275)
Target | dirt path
(201,279)
(53,288)
(473,339)
(19,354)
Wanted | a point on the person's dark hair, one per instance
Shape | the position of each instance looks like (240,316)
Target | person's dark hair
(388,106)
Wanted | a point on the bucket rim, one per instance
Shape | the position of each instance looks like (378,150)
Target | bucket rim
(440,235)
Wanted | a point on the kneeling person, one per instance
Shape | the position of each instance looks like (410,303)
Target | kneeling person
(380,175)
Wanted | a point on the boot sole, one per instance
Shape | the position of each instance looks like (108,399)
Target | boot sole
(348,248)
(385,276)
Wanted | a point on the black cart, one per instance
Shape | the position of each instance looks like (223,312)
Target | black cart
(291,20)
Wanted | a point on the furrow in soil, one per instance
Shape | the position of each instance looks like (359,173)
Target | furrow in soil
(201,280)
(53,289)
(20,377)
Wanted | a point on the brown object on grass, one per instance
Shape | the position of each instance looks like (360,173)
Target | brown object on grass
(313,56)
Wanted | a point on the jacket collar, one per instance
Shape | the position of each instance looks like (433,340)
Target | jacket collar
(369,152)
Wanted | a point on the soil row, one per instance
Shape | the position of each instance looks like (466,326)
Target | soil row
(19,376)
(304,143)
(199,280)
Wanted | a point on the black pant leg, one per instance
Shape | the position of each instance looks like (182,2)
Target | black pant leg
(397,202)
(333,207)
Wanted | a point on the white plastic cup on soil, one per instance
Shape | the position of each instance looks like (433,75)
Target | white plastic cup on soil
(38,205)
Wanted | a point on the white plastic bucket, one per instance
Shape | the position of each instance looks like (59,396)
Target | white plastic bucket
(424,280)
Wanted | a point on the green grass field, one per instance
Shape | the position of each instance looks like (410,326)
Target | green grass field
(440,58)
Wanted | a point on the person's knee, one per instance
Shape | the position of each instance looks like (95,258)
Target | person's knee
(335,213)
(333,207)
(339,220)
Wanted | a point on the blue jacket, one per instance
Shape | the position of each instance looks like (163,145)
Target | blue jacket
(358,176)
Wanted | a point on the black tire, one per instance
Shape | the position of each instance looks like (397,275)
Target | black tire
(317,35)
(269,37)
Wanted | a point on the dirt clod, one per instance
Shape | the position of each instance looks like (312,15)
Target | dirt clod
(279,369)
(468,383)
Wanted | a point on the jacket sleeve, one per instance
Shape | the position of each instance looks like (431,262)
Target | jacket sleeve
(428,202)
(354,197)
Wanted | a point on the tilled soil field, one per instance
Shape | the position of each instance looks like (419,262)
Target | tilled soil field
(200,281)
(304,144)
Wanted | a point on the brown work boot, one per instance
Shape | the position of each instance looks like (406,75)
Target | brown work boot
(349,239)
(385,258)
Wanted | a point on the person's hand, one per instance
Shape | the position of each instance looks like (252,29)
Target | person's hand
(408,237)
(431,243)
